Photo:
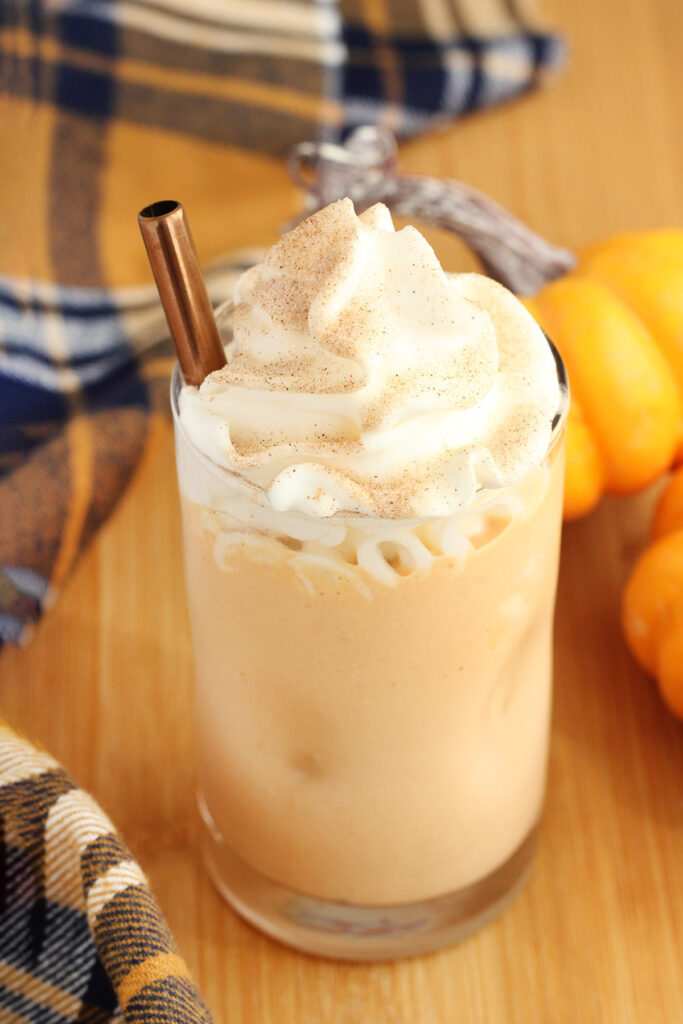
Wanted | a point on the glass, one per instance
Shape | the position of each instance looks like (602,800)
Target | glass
(372,705)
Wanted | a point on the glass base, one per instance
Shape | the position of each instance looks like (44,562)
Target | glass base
(345,931)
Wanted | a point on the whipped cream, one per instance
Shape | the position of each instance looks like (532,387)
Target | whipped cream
(363,379)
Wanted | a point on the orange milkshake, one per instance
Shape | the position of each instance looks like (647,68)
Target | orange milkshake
(371,493)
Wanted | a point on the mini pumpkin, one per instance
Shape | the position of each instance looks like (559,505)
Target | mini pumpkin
(652,610)
(617,320)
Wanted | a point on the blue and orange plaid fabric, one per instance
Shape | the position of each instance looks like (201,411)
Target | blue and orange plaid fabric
(97,96)
(82,939)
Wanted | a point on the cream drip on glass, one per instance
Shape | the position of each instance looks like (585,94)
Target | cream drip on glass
(362,379)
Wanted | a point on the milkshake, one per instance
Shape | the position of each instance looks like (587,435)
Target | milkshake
(371,492)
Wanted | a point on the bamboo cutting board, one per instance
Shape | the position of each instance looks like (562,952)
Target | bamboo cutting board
(597,934)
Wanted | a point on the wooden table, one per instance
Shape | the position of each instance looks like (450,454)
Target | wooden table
(597,935)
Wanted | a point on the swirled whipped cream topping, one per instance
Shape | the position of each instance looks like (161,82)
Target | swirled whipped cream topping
(361,378)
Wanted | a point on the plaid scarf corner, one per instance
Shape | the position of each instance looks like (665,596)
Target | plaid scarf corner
(82,939)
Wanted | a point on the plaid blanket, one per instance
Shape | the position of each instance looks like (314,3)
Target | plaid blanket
(97,95)
(82,939)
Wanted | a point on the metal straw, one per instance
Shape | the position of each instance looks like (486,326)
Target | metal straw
(182,290)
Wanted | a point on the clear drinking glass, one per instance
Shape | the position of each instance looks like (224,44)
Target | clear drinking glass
(372,705)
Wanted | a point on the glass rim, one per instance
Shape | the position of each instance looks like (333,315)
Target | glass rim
(234,477)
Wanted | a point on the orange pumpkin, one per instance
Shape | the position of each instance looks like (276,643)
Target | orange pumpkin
(652,610)
(617,320)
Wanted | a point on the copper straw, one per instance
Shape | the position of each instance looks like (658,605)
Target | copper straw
(178,277)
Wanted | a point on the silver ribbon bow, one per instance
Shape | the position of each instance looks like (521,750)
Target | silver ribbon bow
(364,168)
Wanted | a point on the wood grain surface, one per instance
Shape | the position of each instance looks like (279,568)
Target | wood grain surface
(597,935)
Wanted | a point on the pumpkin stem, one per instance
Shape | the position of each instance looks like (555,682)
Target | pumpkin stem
(364,168)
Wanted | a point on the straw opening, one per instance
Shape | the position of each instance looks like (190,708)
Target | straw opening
(160,209)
